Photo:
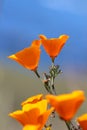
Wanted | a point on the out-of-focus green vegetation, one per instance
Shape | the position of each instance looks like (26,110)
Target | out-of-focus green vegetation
(17,85)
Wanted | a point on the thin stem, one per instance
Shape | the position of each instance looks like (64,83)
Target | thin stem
(53,78)
(46,84)
(67,124)
(37,74)
(52,58)
(52,84)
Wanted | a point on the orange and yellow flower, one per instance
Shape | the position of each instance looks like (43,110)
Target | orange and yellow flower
(66,105)
(28,57)
(33,116)
(83,121)
(53,46)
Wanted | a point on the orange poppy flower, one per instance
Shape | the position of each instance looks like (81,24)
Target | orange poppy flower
(66,105)
(33,116)
(28,57)
(53,46)
(83,121)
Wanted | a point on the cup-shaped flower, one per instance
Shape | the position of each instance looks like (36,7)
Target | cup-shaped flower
(83,121)
(53,46)
(33,116)
(66,105)
(28,57)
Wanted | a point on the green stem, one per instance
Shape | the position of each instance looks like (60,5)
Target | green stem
(67,124)
(37,74)
(52,79)
(52,84)
(52,58)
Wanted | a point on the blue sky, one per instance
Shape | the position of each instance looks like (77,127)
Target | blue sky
(21,21)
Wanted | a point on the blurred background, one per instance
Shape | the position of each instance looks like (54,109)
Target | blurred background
(21,21)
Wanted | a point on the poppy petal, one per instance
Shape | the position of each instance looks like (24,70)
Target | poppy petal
(28,57)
